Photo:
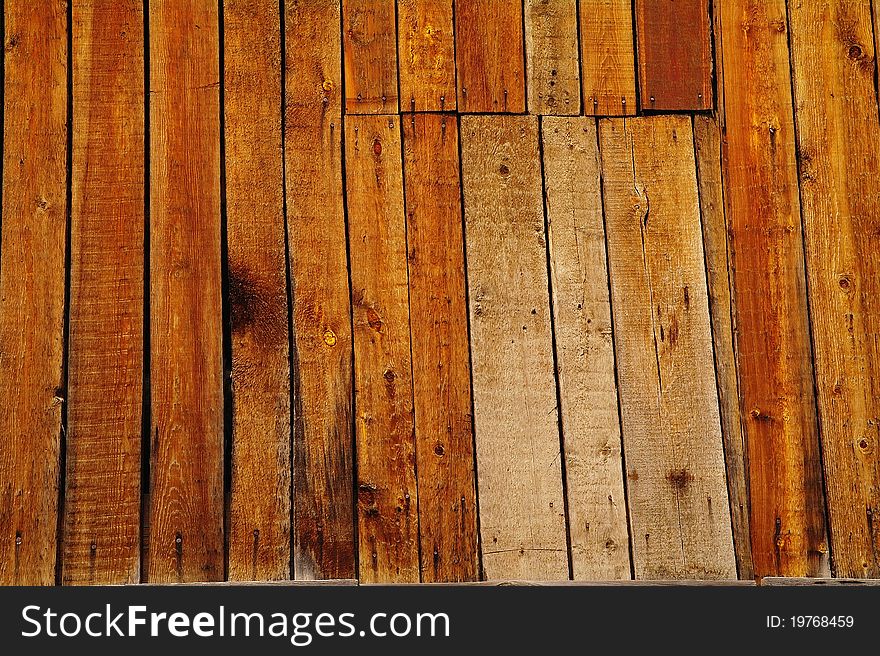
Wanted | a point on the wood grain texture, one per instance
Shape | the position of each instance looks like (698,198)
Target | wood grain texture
(707,148)
(388,524)
(186,370)
(669,403)
(608,59)
(675,54)
(585,350)
(323,474)
(522,513)
(440,353)
(772,339)
(258,544)
(102,509)
(552,63)
(32,288)
(839,156)
(489,56)
(370,40)
(426,55)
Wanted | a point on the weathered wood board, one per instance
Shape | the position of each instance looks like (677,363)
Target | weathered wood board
(426,55)
(552,58)
(839,159)
(258,542)
(388,524)
(32,282)
(772,330)
(585,350)
(186,360)
(323,501)
(102,502)
(489,56)
(677,490)
(369,29)
(608,60)
(522,510)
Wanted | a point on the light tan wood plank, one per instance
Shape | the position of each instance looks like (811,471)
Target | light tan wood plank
(522,512)
(608,72)
(676,482)
(552,63)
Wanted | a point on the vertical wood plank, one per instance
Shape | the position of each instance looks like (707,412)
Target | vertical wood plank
(707,142)
(186,493)
(585,350)
(522,513)
(426,54)
(441,357)
(32,288)
(370,38)
(773,343)
(608,59)
(258,544)
(388,529)
(489,55)
(552,64)
(669,403)
(839,156)
(323,474)
(102,510)
(675,54)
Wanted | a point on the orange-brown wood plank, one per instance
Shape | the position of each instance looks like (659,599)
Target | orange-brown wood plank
(388,525)
(186,361)
(519,464)
(839,156)
(598,529)
(440,353)
(552,63)
(258,544)
(102,509)
(608,73)
(489,55)
(370,38)
(773,340)
(426,53)
(675,54)
(32,288)
(323,476)
(676,483)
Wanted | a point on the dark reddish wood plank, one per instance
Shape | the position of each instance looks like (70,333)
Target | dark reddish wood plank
(489,55)
(186,367)
(675,54)
(323,475)
(32,288)
(102,526)
(440,354)
(258,543)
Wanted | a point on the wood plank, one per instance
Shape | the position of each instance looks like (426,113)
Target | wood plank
(777,581)
(440,352)
(186,370)
(677,489)
(585,350)
(258,544)
(489,56)
(772,338)
(675,55)
(552,64)
(839,157)
(608,60)
(32,288)
(388,529)
(370,40)
(522,510)
(707,144)
(323,474)
(426,52)
(102,509)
